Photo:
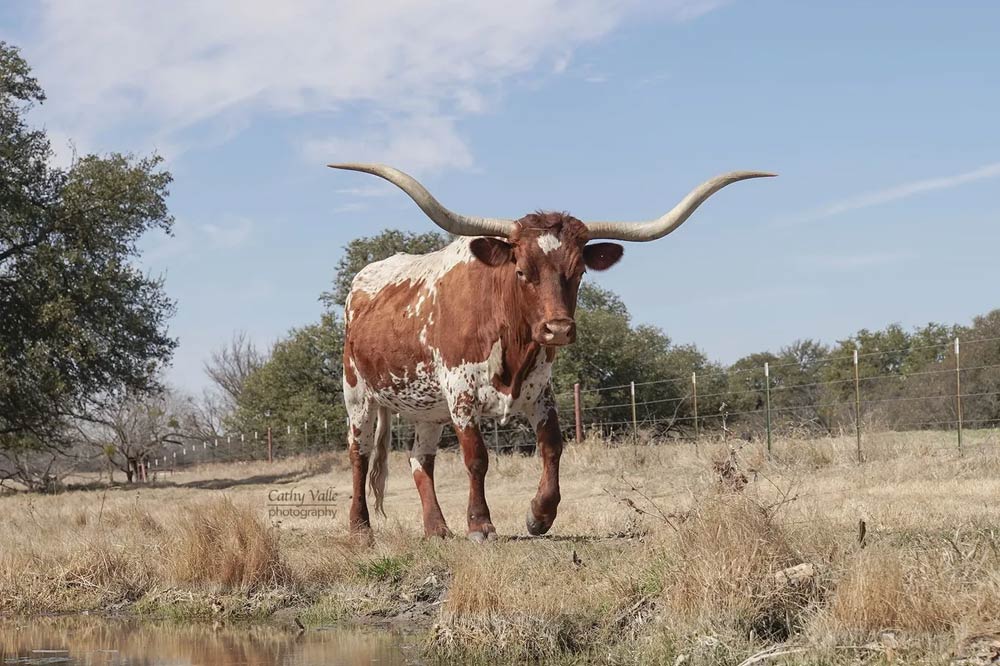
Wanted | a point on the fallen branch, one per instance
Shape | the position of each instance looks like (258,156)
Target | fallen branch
(770,653)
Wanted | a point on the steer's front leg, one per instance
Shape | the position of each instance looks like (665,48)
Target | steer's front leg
(543,508)
(477,461)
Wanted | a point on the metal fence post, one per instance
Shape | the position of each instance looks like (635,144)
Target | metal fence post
(577,413)
(958,391)
(857,404)
(635,421)
(767,396)
(694,392)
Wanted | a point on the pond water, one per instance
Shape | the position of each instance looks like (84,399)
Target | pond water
(89,640)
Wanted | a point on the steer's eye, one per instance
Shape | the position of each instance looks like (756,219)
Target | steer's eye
(520,274)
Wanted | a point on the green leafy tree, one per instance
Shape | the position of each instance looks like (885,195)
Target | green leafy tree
(300,383)
(746,385)
(362,251)
(882,360)
(797,390)
(609,354)
(931,344)
(78,319)
(980,374)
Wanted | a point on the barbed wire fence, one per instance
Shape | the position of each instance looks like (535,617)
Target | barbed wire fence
(864,392)
(854,403)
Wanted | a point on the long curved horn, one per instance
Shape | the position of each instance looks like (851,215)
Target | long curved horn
(461,225)
(653,229)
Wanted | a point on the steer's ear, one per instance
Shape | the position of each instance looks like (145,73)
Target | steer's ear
(492,251)
(602,256)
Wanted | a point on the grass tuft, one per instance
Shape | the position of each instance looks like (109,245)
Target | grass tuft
(385,568)
(228,545)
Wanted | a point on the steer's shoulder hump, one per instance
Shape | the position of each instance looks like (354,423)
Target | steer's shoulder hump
(416,268)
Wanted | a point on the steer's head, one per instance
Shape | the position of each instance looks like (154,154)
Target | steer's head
(547,253)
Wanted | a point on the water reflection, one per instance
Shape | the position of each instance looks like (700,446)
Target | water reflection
(86,640)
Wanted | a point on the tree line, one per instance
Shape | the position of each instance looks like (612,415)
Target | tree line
(906,378)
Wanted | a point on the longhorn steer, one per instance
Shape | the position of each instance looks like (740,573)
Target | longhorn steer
(470,331)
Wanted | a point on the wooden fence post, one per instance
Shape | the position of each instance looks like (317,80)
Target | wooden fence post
(694,392)
(958,391)
(857,405)
(635,421)
(577,414)
(767,395)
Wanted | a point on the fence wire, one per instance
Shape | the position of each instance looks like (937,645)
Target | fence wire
(757,403)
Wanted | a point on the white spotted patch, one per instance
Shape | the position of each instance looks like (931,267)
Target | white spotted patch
(415,466)
(426,269)
(361,412)
(541,407)
(433,394)
(549,242)
(469,390)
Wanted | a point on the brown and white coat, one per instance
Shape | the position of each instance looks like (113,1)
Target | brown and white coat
(469,331)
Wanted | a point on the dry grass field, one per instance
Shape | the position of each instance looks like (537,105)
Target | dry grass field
(660,554)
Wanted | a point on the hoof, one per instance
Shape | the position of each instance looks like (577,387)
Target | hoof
(477,536)
(536,527)
(363,536)
(438,533)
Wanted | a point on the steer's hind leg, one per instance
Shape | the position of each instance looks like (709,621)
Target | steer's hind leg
(361,415)
(422,465)
(542,511)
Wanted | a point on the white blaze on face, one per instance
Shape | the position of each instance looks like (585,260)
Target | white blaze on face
(549,242)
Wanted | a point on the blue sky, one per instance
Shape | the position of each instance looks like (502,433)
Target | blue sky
(880,117)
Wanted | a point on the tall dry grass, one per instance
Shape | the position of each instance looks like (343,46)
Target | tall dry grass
(227,545)
(657,551)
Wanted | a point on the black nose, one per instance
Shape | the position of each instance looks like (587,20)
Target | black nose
(559,331)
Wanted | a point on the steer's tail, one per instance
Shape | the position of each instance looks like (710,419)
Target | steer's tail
(380,455)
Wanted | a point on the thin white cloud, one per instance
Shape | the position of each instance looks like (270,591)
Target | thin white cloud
(419,144)
(906,191)
(190,241)
(159,68)
(228,233)
(652,79)
(372,191)
(693,10)
(352,207)
(561,62)
(854,261)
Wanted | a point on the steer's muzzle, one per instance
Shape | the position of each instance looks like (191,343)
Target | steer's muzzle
(558,332)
